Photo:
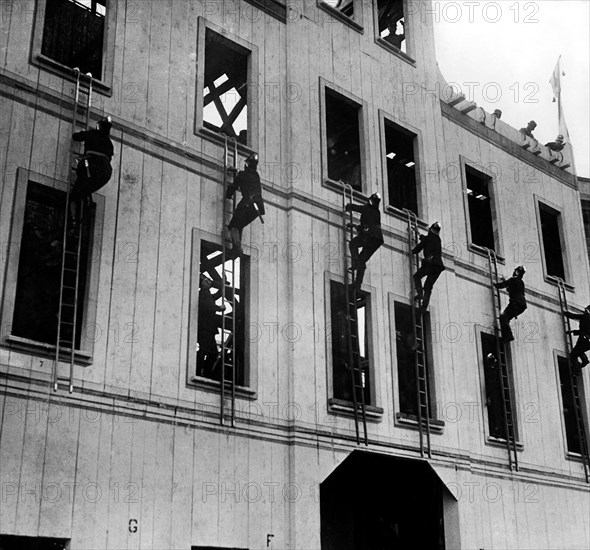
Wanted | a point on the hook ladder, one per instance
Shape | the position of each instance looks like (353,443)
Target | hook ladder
(67,314)
(507,402)
(574,387)
(422,402)
(354,363)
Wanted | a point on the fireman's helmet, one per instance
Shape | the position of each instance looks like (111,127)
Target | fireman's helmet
(520,269)
(435,228)
(252,160)
(375,199)
(105,123)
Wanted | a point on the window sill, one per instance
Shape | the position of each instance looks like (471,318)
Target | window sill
(219,139)
(214,386)
(575,457)
(26,345)
(403,216)
(556,280)
(481,251)
(346,408)
(395,51)
(337,186)
(405,420)
(339,15)
(501,442)
(68,74)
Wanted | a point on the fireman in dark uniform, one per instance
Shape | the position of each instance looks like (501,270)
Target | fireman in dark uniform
(94,167)
(432,265)
(369,238)
(583,333)
(207,329)
(516,302)
(250,207)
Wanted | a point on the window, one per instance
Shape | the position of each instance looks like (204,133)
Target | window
(406,357)
(586,218)
(343,7)
(207,340)
(401,167)
(494,394)
(33,283)
(481,208)
(341,374)
(343,139)
(550,221)
(568,401)
(392,23)
(14,542)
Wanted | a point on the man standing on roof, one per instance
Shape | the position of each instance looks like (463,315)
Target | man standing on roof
(583,333)
(94,167)
(516,302)
(432,265)
(250,207)
(369,238)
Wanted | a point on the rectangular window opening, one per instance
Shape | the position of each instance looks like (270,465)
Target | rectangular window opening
(406,357)
(211,332)
(550,220)
(73,34)
(15,542)
(343,139)
(569,403)
(341,374)
(391,19)
(225,92)
(586,218)
(39,270)
(401,168)
(345,7)
(479,201)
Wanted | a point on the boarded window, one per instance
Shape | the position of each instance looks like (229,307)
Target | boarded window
(73,34)
(343,139)
(569,403)
(390,14)
(552,246)
(480,205)
(401,167)
(341,373)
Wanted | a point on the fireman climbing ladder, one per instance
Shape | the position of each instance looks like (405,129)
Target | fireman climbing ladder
(67,314)
(507,402)
(574,387)
(355,364)
(228,272)
(422,403)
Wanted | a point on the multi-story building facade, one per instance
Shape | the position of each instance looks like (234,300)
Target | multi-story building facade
(141,454)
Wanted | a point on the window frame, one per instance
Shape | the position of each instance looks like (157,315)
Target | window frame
(384,119)
(407,56)
(104,84)
(495,211)
(567,272)
(84,355)
(363,137)
(199,128)
(250,372)
(336,405)
(355,22)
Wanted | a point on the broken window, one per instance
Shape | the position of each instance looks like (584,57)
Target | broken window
(211,332)
(73,34)
(552,246)
(343,139)
(15,542)
(479,200)
(345,7)
(401,167)
(493,388)
(341,373)
(36,308)
(406,359)
(568,401)
(390,14)
(225,92)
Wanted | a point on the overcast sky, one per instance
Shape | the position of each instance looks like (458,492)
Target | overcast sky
(513,47)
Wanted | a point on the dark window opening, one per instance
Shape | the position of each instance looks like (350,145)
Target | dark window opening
(14,542)
(343,139)
(211,332)
(551,241)
(586,218)
(345,7)
(406,360)
(493,387)
(480,208)
(392,23)
(225,93)
(569,403)
(73,34)
(381,502)
(401,168)
(341,374)
(39,268)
